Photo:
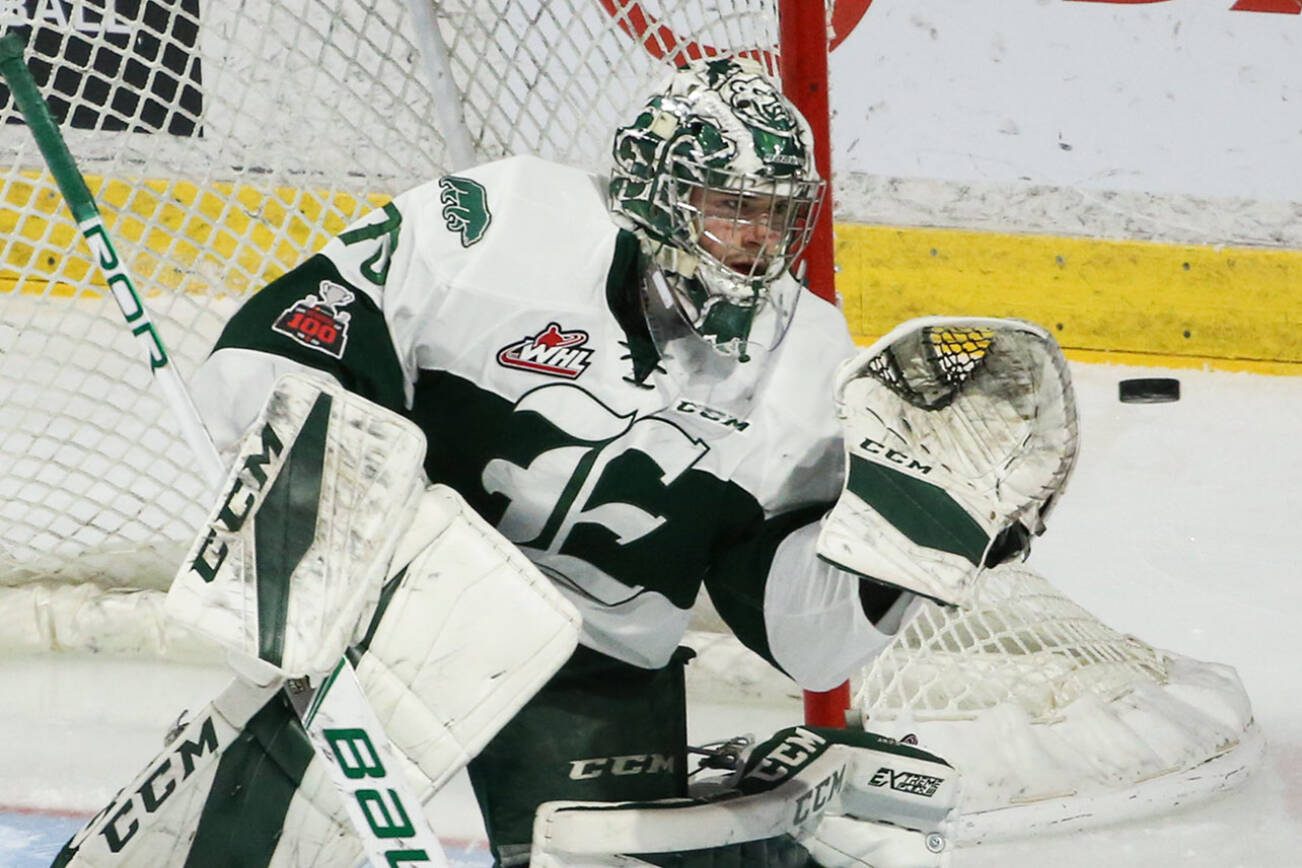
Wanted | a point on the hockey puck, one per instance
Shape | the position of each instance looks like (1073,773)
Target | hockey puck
(1149,390)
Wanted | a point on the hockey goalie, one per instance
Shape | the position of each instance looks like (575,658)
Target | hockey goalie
(489,445)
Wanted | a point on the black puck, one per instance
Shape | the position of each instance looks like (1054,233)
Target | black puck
(1149,390)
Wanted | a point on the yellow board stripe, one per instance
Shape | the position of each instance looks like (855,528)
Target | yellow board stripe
(1117,301)
(180,233)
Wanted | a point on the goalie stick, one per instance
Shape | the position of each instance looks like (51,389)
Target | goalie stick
(337,714)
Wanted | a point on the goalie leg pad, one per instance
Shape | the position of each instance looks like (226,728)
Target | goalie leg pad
(804,792)
(897,809)
(291,559)
(470,632)
(239,784)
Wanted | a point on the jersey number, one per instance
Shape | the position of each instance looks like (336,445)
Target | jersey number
(376,268)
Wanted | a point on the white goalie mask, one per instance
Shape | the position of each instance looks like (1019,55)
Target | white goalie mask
(716,175)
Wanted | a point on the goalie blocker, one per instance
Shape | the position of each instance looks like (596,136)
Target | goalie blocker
(323,540)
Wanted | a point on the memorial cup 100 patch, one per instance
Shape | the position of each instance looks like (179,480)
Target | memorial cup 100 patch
(317,321)
(552,351)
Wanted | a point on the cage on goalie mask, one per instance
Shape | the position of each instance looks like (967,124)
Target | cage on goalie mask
(717,175)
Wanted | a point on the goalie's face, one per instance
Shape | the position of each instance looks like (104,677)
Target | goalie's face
(738,236)
(750,232)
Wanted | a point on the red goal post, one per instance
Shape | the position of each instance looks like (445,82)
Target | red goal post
(803,51)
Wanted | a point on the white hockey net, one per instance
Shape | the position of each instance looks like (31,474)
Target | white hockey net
(1025,644)
(1056,720)
(225,142)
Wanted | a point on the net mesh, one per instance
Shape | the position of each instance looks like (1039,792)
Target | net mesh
(224,142)
(1023,643)
(929,370)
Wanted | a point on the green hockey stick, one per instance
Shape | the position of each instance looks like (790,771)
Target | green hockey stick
(84,211)
(342,726)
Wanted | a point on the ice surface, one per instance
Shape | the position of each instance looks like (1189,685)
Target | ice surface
(1179,526)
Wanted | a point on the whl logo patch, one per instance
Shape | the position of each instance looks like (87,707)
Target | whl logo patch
(552,351)
(465,208)
(317,322)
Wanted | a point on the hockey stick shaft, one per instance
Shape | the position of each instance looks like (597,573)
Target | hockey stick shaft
(346,734)
(84,211)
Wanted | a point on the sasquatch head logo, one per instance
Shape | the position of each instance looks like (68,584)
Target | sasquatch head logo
(753,100)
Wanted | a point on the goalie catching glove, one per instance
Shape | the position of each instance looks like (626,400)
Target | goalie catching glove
(960,433)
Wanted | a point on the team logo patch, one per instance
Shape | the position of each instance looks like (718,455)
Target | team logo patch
(465,208)
(552,351)
(317,322)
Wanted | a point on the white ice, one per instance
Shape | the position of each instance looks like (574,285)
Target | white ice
(1179,527)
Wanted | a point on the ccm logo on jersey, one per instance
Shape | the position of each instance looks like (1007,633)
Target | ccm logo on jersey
(317,322)
(712,415)
(552,351)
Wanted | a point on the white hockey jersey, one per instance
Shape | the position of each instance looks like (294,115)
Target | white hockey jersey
(498,309)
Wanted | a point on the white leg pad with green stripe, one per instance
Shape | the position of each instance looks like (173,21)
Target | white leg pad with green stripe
(848,799)
(960,434)
(238,784)
(288,568)
(472,632)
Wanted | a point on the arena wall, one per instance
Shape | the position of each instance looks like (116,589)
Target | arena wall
(1122,172)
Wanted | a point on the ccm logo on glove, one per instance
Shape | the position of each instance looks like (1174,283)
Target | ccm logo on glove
(893,455)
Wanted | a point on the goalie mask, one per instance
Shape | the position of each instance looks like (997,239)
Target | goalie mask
(717,176)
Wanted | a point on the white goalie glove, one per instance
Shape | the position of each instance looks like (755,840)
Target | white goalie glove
(960,434)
